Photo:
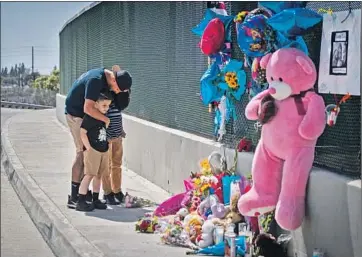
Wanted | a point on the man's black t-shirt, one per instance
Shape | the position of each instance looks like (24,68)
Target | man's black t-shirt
(96,133)
(87,86)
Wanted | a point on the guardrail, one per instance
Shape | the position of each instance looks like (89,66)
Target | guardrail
(15,105)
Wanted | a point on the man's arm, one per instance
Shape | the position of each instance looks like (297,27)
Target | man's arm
(92,91)
(93,112)
(84,138)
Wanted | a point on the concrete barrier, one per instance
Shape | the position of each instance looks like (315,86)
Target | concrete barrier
(166,156)
(15,105)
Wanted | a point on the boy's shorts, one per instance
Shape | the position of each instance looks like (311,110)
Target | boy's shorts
(95,163)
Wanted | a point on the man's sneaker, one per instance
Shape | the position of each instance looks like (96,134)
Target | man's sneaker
(72,202)
(84,206)
(98,204)
(110,200)
(89,197)
(119,197)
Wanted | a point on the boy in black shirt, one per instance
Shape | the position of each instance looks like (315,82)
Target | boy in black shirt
(94,138)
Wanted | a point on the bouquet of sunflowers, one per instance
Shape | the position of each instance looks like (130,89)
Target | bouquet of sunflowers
(203,180)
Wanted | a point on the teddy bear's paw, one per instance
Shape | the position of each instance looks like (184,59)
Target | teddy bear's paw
(252,204)
(289,214)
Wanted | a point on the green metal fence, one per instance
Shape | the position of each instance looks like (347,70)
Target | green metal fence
(153,40)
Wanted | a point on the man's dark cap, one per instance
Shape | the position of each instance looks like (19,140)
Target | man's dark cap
(124,79)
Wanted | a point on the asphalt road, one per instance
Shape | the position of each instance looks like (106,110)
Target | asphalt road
(19,236)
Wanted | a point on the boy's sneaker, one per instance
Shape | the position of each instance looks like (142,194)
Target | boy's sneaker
(110,200)
(84,206)
(98,204)
(72,202)
(119,197)
(89,197)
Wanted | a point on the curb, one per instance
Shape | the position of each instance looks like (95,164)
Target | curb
(15,105)
(59,234)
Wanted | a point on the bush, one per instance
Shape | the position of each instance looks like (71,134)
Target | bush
(50,82)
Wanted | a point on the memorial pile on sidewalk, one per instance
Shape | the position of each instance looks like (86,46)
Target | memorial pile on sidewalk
(205,218)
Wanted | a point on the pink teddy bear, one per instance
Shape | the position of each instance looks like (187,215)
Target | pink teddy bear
(293,118)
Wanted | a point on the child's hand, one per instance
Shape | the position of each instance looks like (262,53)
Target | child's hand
(107,122)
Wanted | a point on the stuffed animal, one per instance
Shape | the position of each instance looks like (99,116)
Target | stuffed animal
(211,202)
(218,209)
(207,231)
(233,217)
(204,206)
(293,118)
(195,233)
(192,219)
(182,213)
(192,224)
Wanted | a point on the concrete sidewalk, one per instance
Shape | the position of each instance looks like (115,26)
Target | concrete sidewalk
(37,152)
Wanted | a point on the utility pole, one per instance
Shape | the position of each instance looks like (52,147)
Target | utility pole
(32,62)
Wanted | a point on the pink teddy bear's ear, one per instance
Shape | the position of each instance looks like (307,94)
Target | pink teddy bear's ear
(265,60)
(306,66)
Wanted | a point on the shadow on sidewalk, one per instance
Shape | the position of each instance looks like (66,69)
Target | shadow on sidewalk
(120,214)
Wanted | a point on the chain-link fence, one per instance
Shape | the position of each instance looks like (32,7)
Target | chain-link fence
(153,40)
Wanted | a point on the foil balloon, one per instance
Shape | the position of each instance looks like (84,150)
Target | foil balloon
(254,36)
(278,6)
(294,22)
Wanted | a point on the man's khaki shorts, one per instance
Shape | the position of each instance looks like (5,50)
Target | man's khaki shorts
(74,124)
(95,163)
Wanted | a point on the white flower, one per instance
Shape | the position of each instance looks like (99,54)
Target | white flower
(213,180)
(204,179)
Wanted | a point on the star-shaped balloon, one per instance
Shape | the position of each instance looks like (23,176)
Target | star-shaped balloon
(208,90)
(294,22)
(278,6)
(298,42)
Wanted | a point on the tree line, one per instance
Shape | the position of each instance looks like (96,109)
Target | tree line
(15,71)
(20,75)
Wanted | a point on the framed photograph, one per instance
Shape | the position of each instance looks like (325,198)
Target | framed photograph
(339,53)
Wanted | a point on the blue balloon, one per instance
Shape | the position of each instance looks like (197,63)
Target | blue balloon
(235,66)
(254,36)
(208,90)
(277,7)
(209,15)
(294,22)
(284,42)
